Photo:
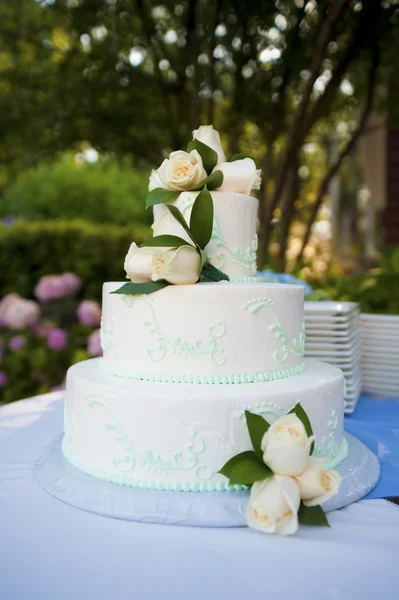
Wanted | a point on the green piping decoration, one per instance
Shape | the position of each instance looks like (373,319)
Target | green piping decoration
(246,259)
(339,457)
(153,462)
(179,346)
(328,443)
(172,486)
(256,377)
(294,346)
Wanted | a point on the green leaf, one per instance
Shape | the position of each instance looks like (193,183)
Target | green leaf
(201,220)
(211,273)
(240,156)
(212,182)
(135,289)
(248,471)
(208,155)
(312,515)
(180,219)
(257,427)
(160,196)
(233,462)
(173,241)
(301,414)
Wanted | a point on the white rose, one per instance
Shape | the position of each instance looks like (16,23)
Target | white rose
(177,266)
(239,176)
(317,485)
(181,171)
(286,446)
(209,136)
(167,225)
(138,263)
(274,505)
(155,181)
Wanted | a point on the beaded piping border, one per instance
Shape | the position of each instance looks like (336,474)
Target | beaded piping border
(174,486)
(257,377)
(148,484)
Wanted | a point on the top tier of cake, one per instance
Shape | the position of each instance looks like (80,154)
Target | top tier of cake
(212,333)
(234,241)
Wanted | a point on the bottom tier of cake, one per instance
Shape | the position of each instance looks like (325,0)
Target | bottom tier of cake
(177,436)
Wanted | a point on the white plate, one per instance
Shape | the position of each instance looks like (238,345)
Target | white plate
(379,364)
(382,392)
(370,318)
(349,359)
(333,347)
(330,308)
(336,329)
(380,338)
(334,339)
(379,347)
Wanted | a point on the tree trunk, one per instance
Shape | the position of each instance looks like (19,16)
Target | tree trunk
(292,190)
(349,147)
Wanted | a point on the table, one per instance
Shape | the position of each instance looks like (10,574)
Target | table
(52,551)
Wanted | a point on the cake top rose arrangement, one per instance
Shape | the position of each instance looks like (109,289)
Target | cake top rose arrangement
(169,259)
(288,485)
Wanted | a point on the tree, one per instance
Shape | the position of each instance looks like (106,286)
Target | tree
(135,77)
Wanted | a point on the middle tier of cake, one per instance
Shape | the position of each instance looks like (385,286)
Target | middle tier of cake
(213,333)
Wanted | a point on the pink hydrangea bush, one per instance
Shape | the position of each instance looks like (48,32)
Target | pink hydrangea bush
(41,338)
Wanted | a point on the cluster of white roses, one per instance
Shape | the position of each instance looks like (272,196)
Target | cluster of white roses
(275,502)
(183,171)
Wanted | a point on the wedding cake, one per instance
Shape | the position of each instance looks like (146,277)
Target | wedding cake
(194,340)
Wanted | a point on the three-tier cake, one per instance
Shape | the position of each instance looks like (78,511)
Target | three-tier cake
(164,408)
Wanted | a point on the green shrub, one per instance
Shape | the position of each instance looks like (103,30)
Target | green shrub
(103,192)
(94,252)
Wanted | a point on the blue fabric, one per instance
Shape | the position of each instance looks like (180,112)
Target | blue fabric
(283,278)
(376,424)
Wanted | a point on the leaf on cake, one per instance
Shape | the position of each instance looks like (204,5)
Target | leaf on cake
(180,219)
(257,427)
(245,469)
(201,220)
(240,156)
(300,412)
(171,241)
(212,182)
(211,273)
(161,196)
(208,155)
(136,289)
(312,515)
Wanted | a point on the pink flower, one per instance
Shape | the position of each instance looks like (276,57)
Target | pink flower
(59,388)
(42,329)
(72,283)
(17,342)
(50,287)
(89,312)
(17,313)
(3,379)
(94,344)
(57,339)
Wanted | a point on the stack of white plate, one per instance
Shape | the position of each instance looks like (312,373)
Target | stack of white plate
(380,362)
(334,335)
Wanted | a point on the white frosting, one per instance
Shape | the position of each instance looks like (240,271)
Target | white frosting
(218,332)
(233,245)
(178,436)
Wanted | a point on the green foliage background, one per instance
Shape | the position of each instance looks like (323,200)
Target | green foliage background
(108,191)
(94,252)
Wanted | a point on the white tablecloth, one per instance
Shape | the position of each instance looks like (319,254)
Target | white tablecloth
(52,551)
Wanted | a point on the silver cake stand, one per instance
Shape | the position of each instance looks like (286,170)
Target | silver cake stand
(360,472)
